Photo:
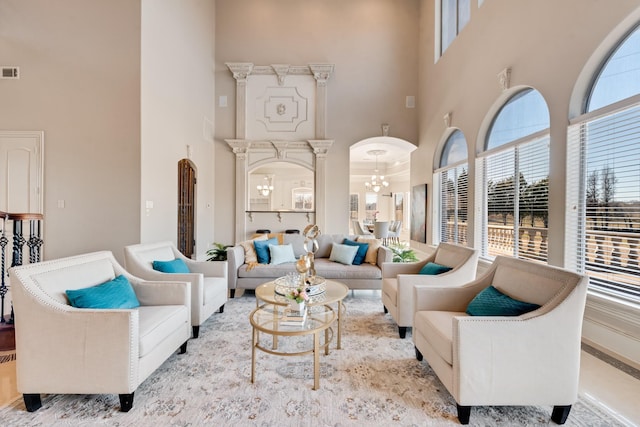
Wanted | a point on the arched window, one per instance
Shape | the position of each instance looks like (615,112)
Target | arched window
(452,183)
(603,177)
(513,171)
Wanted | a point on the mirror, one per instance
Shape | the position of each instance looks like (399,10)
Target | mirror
(281,186)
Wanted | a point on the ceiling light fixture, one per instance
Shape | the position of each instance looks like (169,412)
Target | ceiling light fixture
(377,182)
(266,188)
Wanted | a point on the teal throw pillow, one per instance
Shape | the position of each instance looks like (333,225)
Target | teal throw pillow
(116,293)
(281,254)
(362,250)
(492,302)
(262,249)
(432,268)
(174,266)
(344,254)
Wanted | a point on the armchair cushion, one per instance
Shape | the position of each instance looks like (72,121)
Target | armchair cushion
(361,253)
(281,254)
(174,266)
(116,293)
(433,269)
(343,254)
(262,249)
(492,302)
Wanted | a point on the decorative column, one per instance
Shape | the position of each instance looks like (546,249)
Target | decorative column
(321,72)
(320,149)
(240,148)
(241,71)
(3,272)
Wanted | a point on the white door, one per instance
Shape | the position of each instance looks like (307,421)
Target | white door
(21,162)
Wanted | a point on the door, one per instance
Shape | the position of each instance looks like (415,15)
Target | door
(21,171)
(186,207)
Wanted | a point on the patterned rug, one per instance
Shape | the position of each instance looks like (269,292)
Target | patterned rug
(374,379)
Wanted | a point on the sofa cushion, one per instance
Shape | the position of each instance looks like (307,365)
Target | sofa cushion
(324,267)
(361,253)
(372,251)
(297,243)
(116,293)
(437,328)
(281,254)
(431,268)
(492,302)
(174,266)
(344,254)
(249,250)
(157,323)
(262,249)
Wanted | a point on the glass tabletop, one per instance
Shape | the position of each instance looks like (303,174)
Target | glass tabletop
(272,319)
(334,291)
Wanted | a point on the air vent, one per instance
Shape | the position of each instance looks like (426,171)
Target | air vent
(10,72)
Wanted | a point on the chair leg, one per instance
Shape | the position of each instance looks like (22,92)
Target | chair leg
(385,309)
(418,354)
(222,308)
(560,414)
(232,292)
(196,331)
(32,402)
(126,402)
(183,348)
(464,412)
(402,331)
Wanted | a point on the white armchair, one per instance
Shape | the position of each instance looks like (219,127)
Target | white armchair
(66,350)
(398,279)
(530,359)
(209,283)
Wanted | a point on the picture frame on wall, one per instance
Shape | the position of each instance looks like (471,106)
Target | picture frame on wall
(419,213)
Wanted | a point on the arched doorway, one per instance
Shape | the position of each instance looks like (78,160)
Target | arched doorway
(186,207)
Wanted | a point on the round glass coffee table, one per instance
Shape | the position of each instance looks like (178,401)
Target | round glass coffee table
(269,319)
(334,293)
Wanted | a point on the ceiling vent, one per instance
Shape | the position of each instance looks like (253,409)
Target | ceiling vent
(10,72)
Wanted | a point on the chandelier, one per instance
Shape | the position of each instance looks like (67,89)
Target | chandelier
(266,188)
(377,182)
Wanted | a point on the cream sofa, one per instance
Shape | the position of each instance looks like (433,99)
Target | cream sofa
(364,276)
(66,350)
(208,279)
(530,359)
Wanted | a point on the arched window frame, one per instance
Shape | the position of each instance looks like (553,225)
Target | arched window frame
(527,155)
(451,201)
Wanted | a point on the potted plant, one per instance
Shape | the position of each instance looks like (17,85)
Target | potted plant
(403,253)
(218,252)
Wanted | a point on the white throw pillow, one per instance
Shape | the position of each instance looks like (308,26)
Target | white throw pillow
(344,254)
(281,254)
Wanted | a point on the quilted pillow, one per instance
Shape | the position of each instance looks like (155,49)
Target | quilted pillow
(174,266)
(116,293)
(361,253)
(492,302)
(432,268)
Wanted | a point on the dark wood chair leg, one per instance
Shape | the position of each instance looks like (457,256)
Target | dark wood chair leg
(126,402)
(196,331)
(222,308)
(464,412)
(183,348)
(32,402)
(560,414)
(232,292)
(418,354)
(385,309)
(402,330)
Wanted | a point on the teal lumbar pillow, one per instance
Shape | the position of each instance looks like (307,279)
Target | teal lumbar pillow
(174,266)
(344,254)
(433,269)
(116,293)
(492,302)
(361,253)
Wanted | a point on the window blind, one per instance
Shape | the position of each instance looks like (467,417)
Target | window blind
(453,204)
(603,196)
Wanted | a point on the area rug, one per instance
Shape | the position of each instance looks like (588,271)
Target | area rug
(374,379)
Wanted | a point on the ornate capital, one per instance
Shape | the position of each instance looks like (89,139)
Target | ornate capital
(321,72)
(240,70)
(240,147)
(321,147)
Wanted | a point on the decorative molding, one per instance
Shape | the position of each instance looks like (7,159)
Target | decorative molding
(240,70)
(447,120)
(320,147)
(281,147)
(321,72)
(281,109)
(281,70)
(385,129)
(504,79)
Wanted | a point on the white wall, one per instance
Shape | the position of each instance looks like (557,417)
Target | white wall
(373,44)
(177,112)
(80,84)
